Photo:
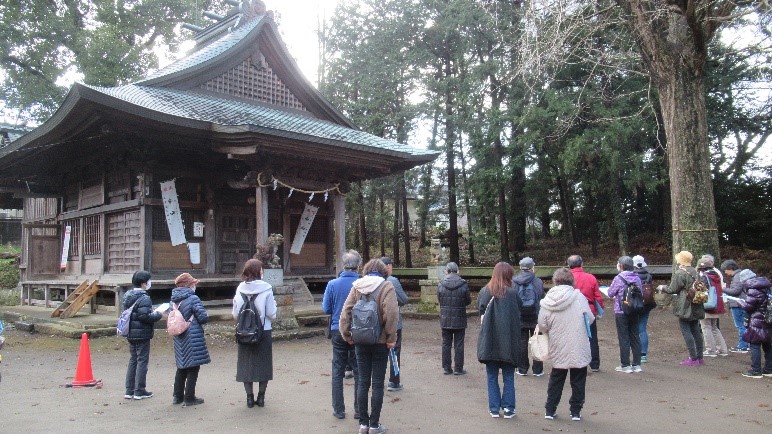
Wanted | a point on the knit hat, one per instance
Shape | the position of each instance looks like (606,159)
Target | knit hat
(639,262)
(185,280)
(527,263)
(684,258)
(705,262)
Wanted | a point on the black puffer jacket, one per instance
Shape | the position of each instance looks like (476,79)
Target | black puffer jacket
(453,295)
(143,316)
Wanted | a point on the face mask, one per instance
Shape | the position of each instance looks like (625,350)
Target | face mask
(148,285)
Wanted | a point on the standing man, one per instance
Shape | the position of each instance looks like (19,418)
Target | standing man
(530,290)
(342,352)
(737,277)
(453,297)
(140,332)
(587,284)
(394,383)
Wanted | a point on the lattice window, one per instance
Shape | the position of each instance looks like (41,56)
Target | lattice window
(255,84)
(124,242)
(92,228)
(74,237)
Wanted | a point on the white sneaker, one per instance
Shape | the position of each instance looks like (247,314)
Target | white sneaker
(710,353)
(637,368)
(625,369)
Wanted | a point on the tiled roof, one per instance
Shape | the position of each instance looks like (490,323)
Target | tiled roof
(226,112)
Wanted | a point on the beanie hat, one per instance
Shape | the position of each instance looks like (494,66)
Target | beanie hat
(705,262)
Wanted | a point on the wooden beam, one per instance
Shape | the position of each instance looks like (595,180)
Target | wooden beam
(339,203)
(261,215)
(236,150)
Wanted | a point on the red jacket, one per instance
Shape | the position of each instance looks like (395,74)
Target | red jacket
(715,281)
(587,284)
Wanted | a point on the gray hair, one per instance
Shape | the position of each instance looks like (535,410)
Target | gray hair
(451,267)
(627,263)
(351,260)
(563,276)
(574,261)
(729,264)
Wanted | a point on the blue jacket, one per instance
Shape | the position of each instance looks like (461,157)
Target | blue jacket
(401,297)
(190,347)
(143,316)
(335,295)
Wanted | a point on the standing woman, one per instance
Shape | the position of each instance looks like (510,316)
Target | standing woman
(562,315)
(689,314)
(498,345)
(715,345)
(190,347)
(254,363)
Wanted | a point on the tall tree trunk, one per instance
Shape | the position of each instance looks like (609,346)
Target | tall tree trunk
(405,222)
(692,207)
(426,185)
(565,205)
(619,216)
(518,210)
(395,233)
(591,205)
(382,223)
(450,155)
(365,246)
(498,152)
(467,207)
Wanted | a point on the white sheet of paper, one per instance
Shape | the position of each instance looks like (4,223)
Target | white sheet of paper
(163,307)
(195,253)
(730,298)
(604,290)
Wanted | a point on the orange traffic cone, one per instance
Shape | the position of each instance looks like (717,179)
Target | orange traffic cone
(83,375)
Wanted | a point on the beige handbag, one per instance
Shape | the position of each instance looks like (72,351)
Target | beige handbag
(539,345)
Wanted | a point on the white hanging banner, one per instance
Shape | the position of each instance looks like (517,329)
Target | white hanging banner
(65,248)
(172,212)
(303,227)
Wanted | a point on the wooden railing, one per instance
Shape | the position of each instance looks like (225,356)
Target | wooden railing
(544,272)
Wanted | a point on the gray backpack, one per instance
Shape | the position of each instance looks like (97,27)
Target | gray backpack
(366,318)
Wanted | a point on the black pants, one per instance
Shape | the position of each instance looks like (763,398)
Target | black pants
(629,336)
(555,389)
(185,383)
(594,347)
(538,367)
(455,338)
(398,349)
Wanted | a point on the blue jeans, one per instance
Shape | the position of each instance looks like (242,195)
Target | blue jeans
(643,320)
(738,316)
(372,361)
(342,355)
(756,357)
(136,374)
(497,399)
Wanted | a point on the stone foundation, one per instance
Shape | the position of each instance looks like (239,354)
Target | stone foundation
(285,300)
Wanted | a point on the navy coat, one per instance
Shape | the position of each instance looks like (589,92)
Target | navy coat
(142,317)
(190,347)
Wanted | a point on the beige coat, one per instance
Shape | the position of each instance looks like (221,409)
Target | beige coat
(387,301)
(562,317)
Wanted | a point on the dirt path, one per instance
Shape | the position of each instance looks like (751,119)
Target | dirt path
(664,398)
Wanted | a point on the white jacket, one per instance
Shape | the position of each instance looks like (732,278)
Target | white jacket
(264,301)
(562,317)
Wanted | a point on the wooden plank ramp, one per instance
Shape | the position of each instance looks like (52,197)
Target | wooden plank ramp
(76,300)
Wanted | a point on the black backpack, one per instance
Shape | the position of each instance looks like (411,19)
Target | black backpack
(632,299)
(527,295)
(366,318)
(249,325)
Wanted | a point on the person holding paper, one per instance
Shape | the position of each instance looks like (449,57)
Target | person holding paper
(587,284)
(737,277)
(140,332)
(562,316)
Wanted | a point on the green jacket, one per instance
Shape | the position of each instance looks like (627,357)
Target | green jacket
(679,287)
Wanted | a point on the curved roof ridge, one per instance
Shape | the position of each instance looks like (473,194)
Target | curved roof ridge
(206,54)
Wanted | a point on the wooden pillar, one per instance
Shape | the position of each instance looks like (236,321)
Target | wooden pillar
(261,215)
(339,203)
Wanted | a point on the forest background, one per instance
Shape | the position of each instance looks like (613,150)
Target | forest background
(599,127)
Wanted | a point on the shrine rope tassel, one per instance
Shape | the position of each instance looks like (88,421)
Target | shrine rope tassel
(275,183)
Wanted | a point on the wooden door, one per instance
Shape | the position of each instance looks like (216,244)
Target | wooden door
(237,242)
